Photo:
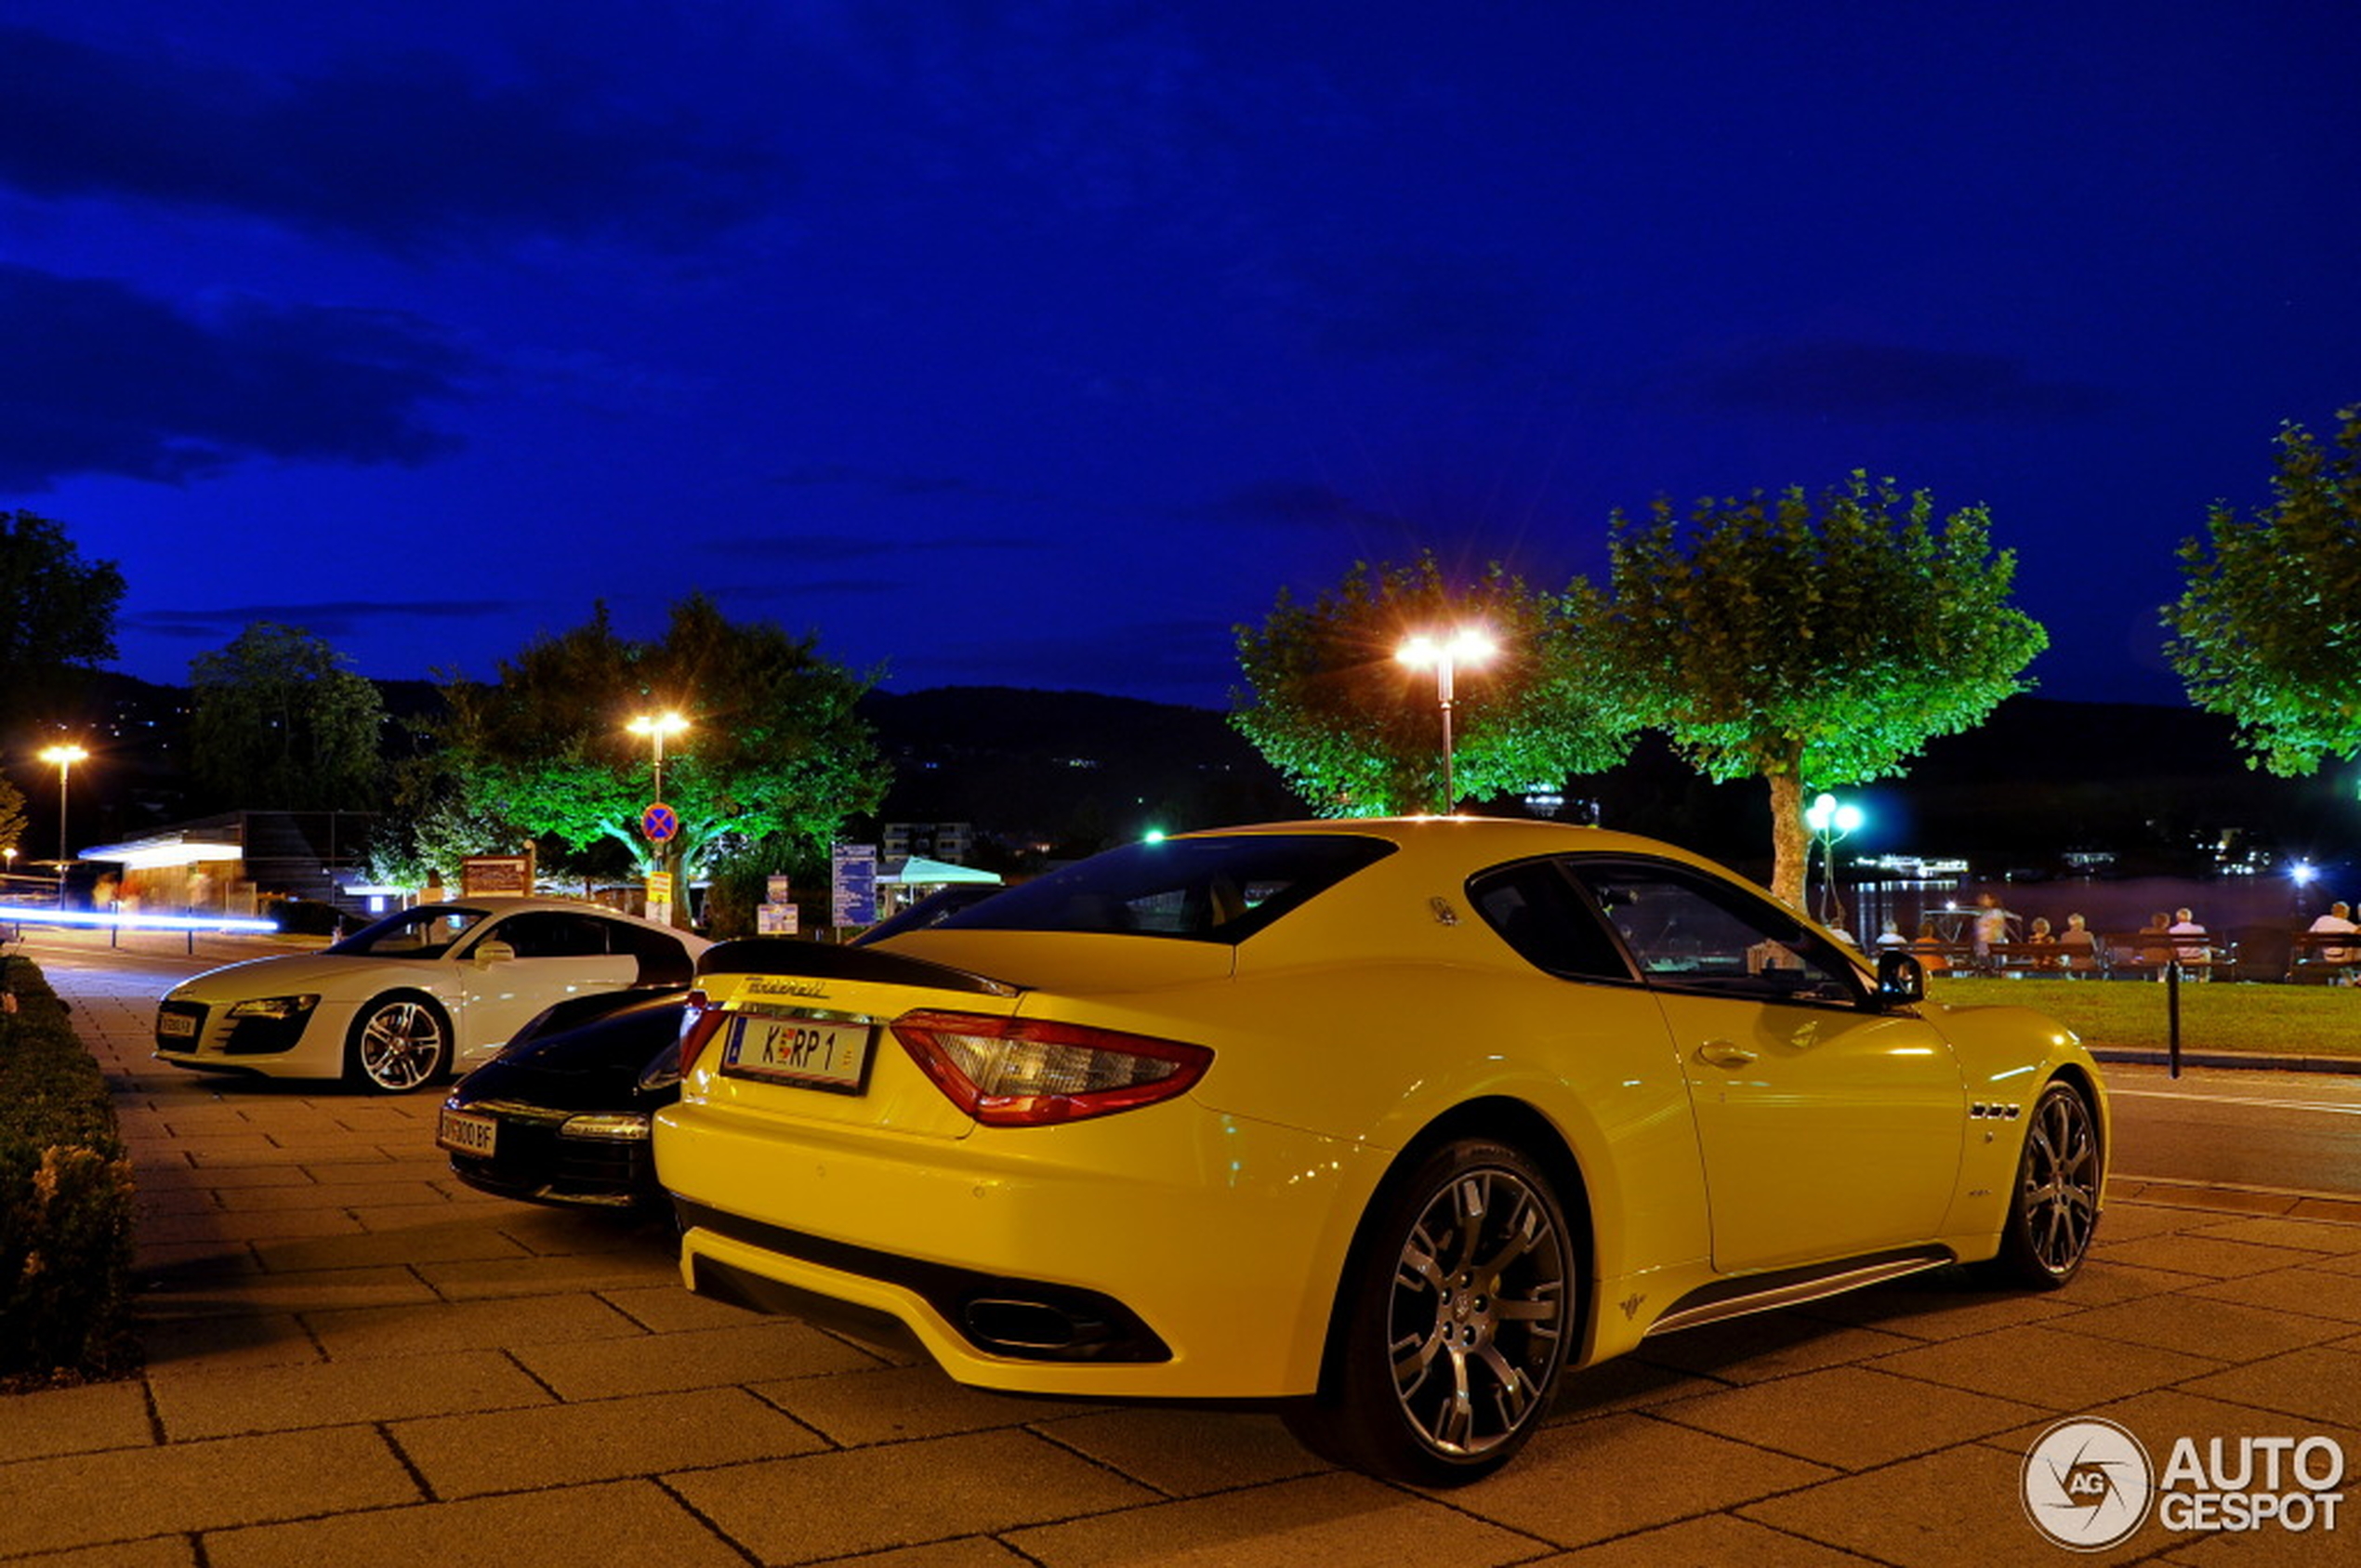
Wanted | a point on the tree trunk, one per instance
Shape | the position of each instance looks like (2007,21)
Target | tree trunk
(1791,840)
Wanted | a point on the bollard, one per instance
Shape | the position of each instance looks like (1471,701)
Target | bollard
(2173,1013)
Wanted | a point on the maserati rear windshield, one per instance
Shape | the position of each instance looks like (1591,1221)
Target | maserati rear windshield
(1200,890)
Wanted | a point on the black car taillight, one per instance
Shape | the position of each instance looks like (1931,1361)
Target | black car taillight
(1008,1071)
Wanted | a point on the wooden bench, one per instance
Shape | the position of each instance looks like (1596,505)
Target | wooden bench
(2143,955)
(2332,958)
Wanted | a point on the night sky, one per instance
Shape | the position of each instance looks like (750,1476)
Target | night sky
(1038,343)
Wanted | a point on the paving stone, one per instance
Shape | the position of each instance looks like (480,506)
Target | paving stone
(310,1194)
(224,1341)
(1186,1453)
(503,1323)
(222,1177)
(2219,1200)
(1767,1345)
(206,1402)
(1335,1520)
(975,1551)
(2103,1283)
(1961,1508)
(360,1247)
(2317,1384)
(1716,1541)
(395,1166)
(2315,1292)
(623,1523)
(2222,1330)
(670,1308)
(215,1224)
(2191,1253)
(2162,1417)
(428,1209)
(532,1274)
(897,1404)
(1591,1480)
(2042,1367)
(601,1440)
(704,1358)
(2305,1235)
(2123,1221)
(134,1494)
(1852,1418)
(253,1290)
(867,1499)
(2344,1211)
(96,1416)
(1935,1308)
(163,1552)
(1632,1382)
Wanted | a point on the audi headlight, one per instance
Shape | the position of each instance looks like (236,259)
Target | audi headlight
(274,1006)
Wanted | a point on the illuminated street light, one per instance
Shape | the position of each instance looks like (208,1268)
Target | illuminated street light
(1468,645)
(1829,821)
(656,726)
(65,756)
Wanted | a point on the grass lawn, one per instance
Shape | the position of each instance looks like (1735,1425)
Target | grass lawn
(2285,1020)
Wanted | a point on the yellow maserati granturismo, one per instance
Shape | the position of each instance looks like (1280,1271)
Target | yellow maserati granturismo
(1387,1122)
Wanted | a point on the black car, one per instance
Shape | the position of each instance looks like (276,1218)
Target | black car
(561,1115)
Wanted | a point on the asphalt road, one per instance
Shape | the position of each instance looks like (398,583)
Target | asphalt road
(2291,1132)
(2275,1131)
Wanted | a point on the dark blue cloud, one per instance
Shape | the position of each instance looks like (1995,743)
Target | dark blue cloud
(103,378)
(1297,503)
(411,152)
(1843,379)
(1457,315)
(97,377)
(324,618)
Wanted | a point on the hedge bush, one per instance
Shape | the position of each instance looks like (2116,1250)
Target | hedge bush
(65,1198)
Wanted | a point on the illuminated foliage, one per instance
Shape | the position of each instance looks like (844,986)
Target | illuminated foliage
(1810,642)
(774,748)
(280,722)
(11,815)
(1355,732)
(2268,630)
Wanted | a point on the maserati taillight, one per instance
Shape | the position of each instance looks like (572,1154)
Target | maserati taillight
(699,1023)
(1008,1071)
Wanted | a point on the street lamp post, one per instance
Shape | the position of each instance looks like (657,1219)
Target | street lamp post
(667,838)
(656,726)
(1829,821)
(1468,645)
(65,756)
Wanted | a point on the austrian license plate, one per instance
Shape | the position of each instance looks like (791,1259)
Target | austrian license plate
(179,1025)
(463,1133)
(815,1053)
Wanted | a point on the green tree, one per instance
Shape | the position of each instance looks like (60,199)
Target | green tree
(56,617)
(1357,733)
(2269,625)
(12,822)
(1811,643)
(774,749)
(279,719)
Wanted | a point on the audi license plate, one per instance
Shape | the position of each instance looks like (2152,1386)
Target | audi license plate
(465,1134)
(178,1025)
(816,1053)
